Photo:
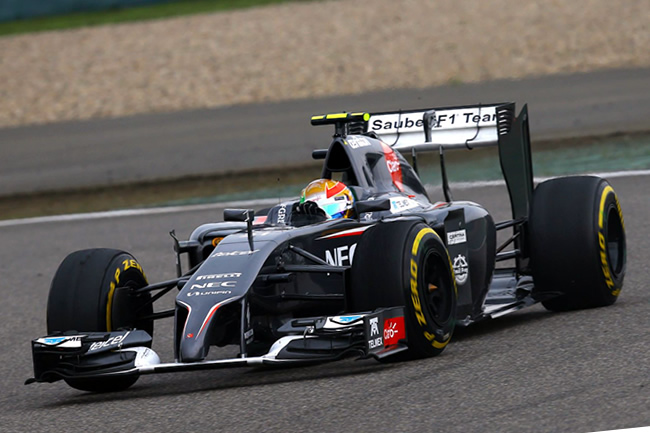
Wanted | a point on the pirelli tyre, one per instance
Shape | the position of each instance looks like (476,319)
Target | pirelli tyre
(406,263)
(577,239)
(89,293)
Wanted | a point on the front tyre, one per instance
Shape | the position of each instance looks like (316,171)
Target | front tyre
(430,294)
(577,238)
(87,295)
(407,264)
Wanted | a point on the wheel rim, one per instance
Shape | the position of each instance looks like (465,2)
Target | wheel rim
(615,242)
(437,288)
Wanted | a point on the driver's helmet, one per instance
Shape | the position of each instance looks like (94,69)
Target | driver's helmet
(331,196)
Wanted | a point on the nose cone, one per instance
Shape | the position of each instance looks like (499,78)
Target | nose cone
(198,331)
(224,278)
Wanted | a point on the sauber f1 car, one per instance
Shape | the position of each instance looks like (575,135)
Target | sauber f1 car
(390,282)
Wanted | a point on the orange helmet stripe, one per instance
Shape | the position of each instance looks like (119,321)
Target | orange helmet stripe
(337,188)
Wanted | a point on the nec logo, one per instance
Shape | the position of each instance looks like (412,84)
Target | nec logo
(341,256)
(214,285)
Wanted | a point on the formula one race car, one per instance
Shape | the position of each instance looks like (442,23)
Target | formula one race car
(290,285)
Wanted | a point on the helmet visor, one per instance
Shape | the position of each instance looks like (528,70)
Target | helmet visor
(334,208)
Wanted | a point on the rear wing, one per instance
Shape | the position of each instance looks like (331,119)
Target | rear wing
(450,127)
(460,127)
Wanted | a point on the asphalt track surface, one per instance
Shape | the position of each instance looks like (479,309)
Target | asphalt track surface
(249,137)
(532,371)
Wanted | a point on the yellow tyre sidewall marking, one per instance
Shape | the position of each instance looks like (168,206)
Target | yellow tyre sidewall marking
(125,264)
(415,295)
(604,263)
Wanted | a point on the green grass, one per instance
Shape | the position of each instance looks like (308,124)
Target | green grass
(151,12)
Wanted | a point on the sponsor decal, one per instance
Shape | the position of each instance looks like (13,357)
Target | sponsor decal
(355,142)
(347,319)
(113,341)
(375,337)
(393,330)
(216,241)
(65,342)
(445,119)
(374,326)
(214,285)
(256,233)
(282,214)
(460,269)
(473,117)
(341,256)
(398,122)
(401,204)
(394,167)
(456,237)
(218,276)
(259,219)
(248,335)
(210,292)
(233,253)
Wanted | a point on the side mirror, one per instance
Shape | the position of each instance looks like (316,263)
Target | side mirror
(364,206)
(242,215)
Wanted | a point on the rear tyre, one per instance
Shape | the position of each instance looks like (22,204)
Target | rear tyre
(83,297)
(577,238)
(406,263)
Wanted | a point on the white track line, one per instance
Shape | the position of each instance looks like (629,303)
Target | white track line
(258,202)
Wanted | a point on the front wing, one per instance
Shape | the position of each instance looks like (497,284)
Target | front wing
(377,334)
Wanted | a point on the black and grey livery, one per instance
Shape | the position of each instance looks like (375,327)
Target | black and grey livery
(393,281)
